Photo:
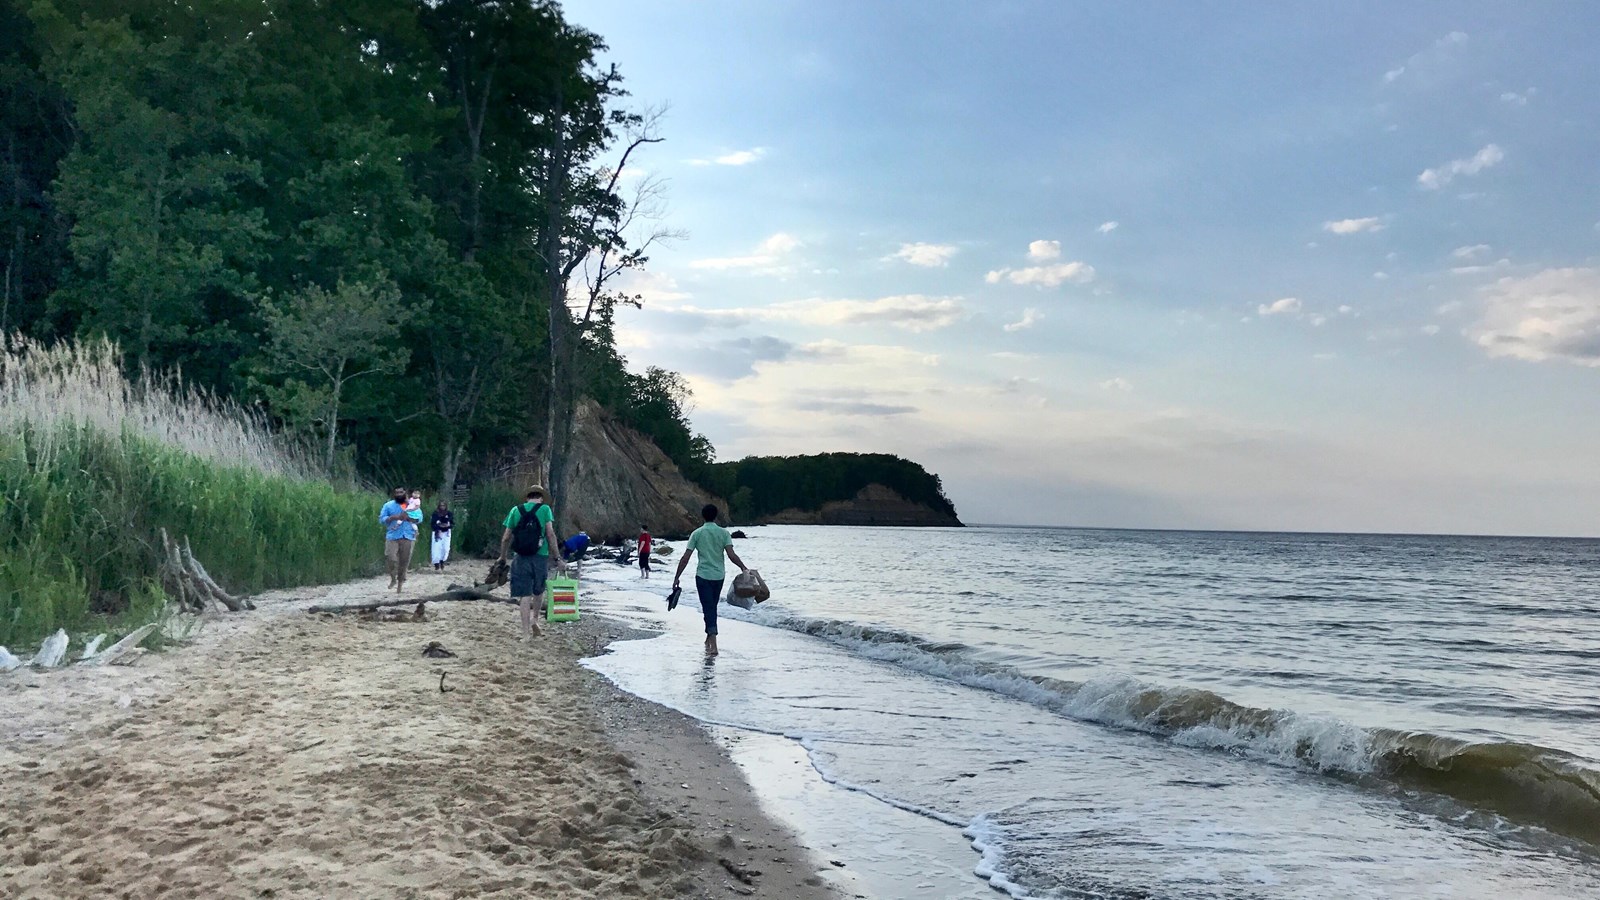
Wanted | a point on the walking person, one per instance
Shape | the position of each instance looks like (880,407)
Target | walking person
(530,533)
(711,541)
(644,552)
(442,522)
(400,536)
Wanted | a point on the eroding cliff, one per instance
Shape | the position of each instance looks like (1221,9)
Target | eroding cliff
(617,480)
(872,505)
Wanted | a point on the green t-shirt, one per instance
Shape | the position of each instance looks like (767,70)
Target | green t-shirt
(545,517)
(710,540)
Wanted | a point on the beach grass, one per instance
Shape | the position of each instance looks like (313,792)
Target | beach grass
(94,464)
(483,516)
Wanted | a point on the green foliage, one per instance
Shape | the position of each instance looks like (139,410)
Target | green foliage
(172,168)
(479,521)
(34,135)
(321,341)
(82,509)
(759,486)
(655,403)
(157,183)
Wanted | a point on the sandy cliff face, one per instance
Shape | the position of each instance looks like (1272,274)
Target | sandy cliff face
(618,480)
(873,505)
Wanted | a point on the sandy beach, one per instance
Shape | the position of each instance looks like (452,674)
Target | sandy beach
(286,754)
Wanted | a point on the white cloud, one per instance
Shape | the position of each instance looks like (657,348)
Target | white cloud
(1471,252)
(1279,307)
(910,312)
(1501,263)
(1433,179)
(1516,99)
(1347,310)
(1030,317)
(1381,276)
(1431,58)
(1107,227)
(653,288)
(1116,384)
(1044,276)
(1353,226)
(768,253)
(736,158)
(926,255)
(1551,315)
(1429,330)
(1043,250)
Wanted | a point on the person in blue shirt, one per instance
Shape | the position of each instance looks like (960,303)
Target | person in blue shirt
(574,547)
(711,541)
(400,537)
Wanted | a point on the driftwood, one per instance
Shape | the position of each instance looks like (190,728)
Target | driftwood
(186,579)
(122,647)
(456,592)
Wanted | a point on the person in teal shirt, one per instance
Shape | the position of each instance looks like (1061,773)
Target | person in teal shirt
(712,542)
(530,533)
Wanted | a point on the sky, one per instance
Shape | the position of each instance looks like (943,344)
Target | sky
(1286,266)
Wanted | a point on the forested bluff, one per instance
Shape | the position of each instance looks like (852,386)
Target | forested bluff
(397,228)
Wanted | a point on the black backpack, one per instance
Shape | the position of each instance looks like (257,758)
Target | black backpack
(527,534)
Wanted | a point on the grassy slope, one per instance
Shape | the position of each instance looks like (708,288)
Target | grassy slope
(82,510)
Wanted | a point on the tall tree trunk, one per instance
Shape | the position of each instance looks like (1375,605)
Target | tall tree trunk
(333,418)
(451,463)
(559,401)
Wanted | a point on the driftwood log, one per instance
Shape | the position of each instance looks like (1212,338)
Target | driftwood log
(186,579)
(455,593)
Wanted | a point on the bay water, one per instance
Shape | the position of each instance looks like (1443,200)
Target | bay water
(1125,714)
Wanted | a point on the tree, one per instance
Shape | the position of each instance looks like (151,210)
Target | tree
(35,132)
(158,186)
(585,219)
(323,340)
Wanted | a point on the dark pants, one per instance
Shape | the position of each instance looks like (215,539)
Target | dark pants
(528,575)
(710,593)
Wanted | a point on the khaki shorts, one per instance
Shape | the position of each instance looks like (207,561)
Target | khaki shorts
(398,551)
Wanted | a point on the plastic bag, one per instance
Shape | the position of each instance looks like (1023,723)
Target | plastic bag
(748,589)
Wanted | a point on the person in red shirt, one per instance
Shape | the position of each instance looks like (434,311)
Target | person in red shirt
(644,552)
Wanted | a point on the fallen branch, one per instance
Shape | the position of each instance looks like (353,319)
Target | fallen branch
(186,579)
(204,578)
(455,593)
(110,654)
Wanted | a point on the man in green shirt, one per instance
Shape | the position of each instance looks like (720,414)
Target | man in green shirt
(530,534)
(712,541)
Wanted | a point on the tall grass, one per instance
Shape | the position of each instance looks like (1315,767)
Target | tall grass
(483,516)
(93,465)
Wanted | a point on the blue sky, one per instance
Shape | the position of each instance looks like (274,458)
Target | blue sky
(1219,265)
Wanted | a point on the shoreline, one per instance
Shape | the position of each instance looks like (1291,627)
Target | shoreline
(284,754)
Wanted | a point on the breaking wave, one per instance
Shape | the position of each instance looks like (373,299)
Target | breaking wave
(1521,782)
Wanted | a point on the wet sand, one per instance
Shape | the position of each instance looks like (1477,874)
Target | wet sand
(285,754)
